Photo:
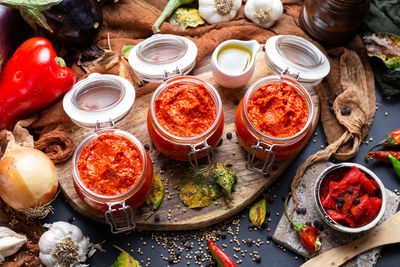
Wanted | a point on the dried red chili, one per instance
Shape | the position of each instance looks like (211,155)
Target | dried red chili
(391,139)
(383,155)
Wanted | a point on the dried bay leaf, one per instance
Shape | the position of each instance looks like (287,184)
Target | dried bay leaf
(125,259)
(198,191)
(156,194)
(226,178)
(257,212)
(385,46)
(186,17)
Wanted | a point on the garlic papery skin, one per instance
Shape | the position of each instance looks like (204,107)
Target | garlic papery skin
(10,242)
(63,245)
(214,11)
(263,12)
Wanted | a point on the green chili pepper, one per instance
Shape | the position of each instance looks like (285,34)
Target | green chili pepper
(396,164)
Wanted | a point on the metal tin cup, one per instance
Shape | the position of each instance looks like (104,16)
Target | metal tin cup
(324,215)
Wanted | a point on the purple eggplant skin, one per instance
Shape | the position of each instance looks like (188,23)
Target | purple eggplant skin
(74,22)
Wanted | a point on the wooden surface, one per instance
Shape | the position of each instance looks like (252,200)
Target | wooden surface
(386,233)
(250,185)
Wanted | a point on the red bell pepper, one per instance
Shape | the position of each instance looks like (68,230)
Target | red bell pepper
(308,235)
(220,256)
(359,209)
(367,185)
(373,207)
(32,80)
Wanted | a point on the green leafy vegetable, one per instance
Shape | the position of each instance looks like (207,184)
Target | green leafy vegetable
(126,50)
(156,194)
(226,178)
(171,6)
(125,260)
(257,212)
(385,46)
(186,17)
(198,191)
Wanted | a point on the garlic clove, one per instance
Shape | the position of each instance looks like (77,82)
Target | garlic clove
(10,242)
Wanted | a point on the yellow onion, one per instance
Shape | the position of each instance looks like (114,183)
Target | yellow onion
(28,180)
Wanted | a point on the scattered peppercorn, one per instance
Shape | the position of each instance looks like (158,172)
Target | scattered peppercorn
(264,225)
(223,235)
(250,226)
(249,242)
(147,147)
(171,259)
(350,191)
(170,243)
(236,101)
(220,142)
(339,205)
(257,258)
(341,199)
(269,236)
(343,111)
(330,102)
(229,135)
(356,201)
(331,110)
(157,218)
(71,219)
(348,111)
(163,168)
(241,23)
(308,223)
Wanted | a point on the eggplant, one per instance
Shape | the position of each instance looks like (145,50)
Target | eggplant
(73,22)
(13,31)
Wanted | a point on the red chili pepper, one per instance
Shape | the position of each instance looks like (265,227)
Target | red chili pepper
(391,139)
(32,79)
(383,155)
(309,235)
(220,256)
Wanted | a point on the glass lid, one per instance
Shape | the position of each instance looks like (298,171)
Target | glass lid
(163,56)
(99,99)
(293,55)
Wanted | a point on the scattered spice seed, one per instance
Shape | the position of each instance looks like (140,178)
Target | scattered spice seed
(236,101)
(343,111)
(257,258)
(348,111)
(241,23)
(220,142)
(356,201)
(229,135)
(147,147)
(269,236)
(156,218)
(331,110)
(386,113)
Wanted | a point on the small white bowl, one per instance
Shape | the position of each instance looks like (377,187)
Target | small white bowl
(332,223)
(227,79)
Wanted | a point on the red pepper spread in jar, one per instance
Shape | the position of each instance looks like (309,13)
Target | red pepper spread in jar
(350,198)
(185,109)
(277,110)
(110,165)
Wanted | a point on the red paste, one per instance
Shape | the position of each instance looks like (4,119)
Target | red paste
(277,110)
(185,109)
(110,165)
(350,198)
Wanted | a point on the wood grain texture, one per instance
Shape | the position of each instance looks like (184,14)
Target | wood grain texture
(250,185)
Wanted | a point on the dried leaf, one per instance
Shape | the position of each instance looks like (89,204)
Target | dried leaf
(110,59)
(126,72)
(198,191)
(257,212)
(385,46)
(126,50)
(186,17)
(125,259)
(156,194)
(226,178)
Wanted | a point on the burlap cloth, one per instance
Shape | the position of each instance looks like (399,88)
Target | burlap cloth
(351,78)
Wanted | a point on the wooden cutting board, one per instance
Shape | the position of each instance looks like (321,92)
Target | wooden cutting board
(249,187)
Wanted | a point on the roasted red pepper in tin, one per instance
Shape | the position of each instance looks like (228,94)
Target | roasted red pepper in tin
(32,80)
(309,235)
(220,256)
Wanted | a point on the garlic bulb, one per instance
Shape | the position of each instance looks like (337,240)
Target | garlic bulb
(214,11)
(63,245)
(263,12)
(10,242)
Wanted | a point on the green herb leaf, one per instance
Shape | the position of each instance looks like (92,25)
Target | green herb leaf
(186,17)
(226,178)
(125,260)
(126,50)
(385,46)
(156,194)
(198,191)
(257,212)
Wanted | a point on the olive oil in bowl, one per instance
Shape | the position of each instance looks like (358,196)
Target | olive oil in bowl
(234,59)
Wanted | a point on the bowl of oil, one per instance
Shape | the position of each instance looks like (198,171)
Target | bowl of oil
(233,62)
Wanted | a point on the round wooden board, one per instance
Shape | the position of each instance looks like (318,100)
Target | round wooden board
(249,187)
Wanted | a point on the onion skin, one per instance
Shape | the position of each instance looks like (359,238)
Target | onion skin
(28,178)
